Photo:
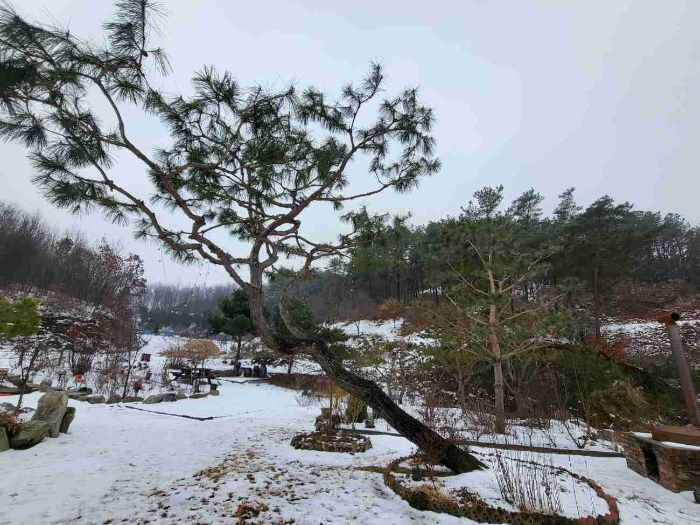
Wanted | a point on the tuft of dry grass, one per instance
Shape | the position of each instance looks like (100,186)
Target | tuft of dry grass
(249,510)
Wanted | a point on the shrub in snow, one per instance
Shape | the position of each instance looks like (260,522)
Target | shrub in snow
(527,484)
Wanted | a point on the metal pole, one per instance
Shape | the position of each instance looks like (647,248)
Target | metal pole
(691,400)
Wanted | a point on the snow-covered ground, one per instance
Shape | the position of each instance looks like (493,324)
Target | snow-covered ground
(387,330)
(123,465)
(648,340)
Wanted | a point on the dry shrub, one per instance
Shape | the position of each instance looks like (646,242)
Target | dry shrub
(306,383)
(355,410)
(249,510)
(431,497)
(416,318)
(194,350)
(391,309)
(528,485)
(478,416)
(614,347)
(9,421)
(137,385)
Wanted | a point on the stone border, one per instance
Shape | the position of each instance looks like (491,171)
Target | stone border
(334,442)
(477,510)
(676,468)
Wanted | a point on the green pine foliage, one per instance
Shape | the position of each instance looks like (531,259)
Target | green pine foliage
(18,318)
(234,319)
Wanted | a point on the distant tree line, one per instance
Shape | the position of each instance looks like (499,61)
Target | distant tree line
(593,248)
(179,306)
(35,258)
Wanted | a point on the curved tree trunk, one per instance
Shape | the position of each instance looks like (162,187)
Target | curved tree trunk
(238,349)
(429,441)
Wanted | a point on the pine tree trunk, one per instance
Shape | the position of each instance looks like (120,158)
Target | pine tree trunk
(238,349)
(421,435)
(596,298)
(500,407)
(461,389)
(128,376)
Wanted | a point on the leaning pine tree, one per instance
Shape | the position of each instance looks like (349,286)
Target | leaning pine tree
(242,160)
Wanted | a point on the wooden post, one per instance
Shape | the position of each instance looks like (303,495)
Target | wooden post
(674,336)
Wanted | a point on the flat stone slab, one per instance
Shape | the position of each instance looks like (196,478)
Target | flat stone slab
(200,395)
(688,435)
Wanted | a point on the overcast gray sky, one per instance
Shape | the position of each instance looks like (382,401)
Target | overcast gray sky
(599,95)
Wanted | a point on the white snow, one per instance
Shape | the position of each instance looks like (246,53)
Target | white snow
(386,330)
(131,466)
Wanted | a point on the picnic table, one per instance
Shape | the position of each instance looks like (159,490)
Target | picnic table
(188,375)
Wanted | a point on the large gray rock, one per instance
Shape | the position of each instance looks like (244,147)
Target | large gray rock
(152,399)
(169,397)
(96,400)
(4,442)
(213,392)
(51,408)
(200,395)
(45,385)
(30,433)
(14,379)
(180,396)
(114,399)
(132,399)
(7,407)
(78,396)
(67,419)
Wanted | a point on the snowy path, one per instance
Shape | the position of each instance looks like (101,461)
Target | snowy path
(119,465)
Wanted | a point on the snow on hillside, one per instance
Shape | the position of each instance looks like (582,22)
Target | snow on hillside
(120,465)
(649,340)
(387,330)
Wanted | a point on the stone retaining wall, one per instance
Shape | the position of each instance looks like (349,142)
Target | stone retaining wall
(675,468)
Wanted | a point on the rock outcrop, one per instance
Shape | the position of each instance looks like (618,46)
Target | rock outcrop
(51,409)
(200,395)
(30,433)
(169,397)
(67,419)
(4,441)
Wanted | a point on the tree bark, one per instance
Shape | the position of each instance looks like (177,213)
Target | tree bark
(238,350)
(128,376)
(24,376)
(500,407)
(421,435)
(596,298)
